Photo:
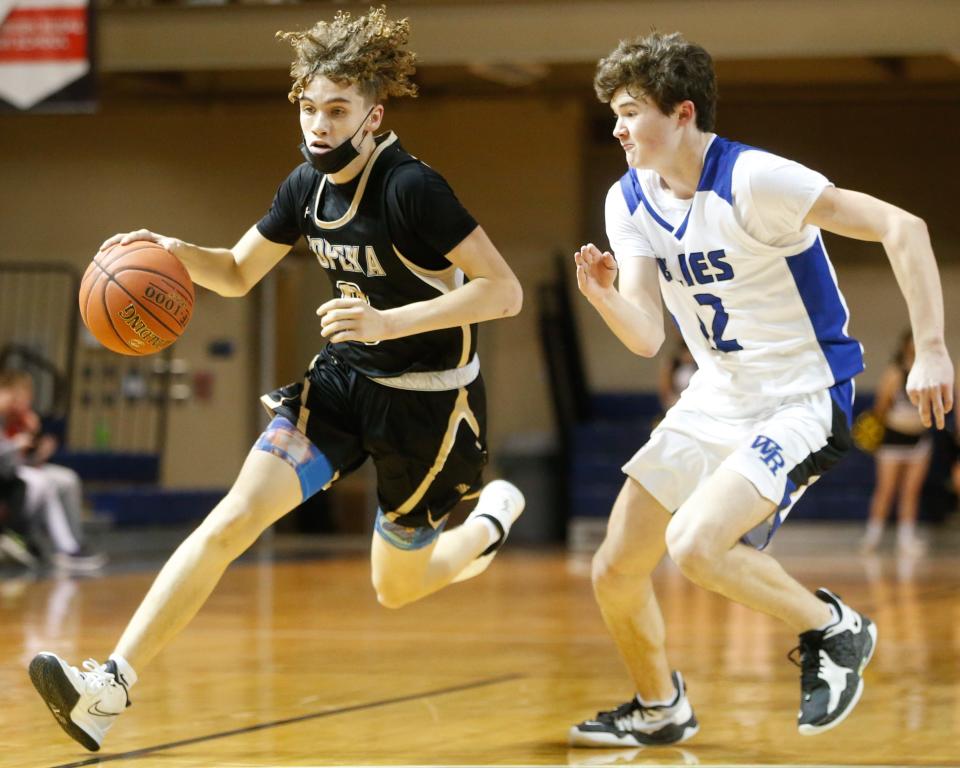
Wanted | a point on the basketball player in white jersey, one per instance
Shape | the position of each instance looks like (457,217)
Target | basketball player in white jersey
(729,236)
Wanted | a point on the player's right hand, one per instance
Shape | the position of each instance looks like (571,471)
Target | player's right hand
(596,271)
(123,238)
(930,384)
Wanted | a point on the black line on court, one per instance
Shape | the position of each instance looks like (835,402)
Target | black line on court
(96,760)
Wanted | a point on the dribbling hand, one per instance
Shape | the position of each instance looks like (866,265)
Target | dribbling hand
(122,238)
(596,271)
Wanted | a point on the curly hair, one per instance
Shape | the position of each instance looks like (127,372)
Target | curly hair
(667,69)
(367,51)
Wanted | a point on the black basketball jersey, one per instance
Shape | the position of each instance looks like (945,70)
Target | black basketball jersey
(362,261)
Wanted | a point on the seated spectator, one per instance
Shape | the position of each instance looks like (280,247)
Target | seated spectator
(14,527)
(53,501)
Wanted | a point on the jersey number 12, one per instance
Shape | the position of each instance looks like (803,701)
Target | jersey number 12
(719,324)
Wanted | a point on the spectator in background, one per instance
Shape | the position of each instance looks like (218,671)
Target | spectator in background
(903,456)
(53,499)
(14,529)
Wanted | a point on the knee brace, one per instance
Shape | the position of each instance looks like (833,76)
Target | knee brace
(286,442)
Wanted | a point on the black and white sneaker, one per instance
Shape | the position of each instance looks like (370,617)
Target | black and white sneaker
(85,703)
(635,724)
(831,663)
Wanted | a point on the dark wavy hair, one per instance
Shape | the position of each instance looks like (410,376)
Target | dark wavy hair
(368,51)
(667,69)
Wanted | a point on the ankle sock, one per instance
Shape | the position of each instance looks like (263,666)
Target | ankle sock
(124,670)
(906,533)
(493,533)
(873,533)
(834,616)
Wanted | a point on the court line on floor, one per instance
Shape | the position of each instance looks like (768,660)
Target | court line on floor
(135,753)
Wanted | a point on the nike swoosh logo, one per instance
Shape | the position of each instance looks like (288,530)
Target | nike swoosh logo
(94,709)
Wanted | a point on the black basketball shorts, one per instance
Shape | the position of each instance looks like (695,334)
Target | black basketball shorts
(429,448)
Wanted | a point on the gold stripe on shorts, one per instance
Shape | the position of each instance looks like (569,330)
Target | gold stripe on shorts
(461,412)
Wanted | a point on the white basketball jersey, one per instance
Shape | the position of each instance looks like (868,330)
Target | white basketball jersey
(748,284)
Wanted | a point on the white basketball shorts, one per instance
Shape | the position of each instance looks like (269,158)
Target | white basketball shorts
(780,445)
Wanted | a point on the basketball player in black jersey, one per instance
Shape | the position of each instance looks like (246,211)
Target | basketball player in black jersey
(399,381)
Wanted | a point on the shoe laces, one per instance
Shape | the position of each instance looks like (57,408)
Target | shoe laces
(97,677)
(623,717)
(806,655)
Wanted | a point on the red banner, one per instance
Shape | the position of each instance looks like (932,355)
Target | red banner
(44,34)
(46,51)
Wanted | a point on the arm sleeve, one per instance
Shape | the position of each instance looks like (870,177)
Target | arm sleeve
(281,224)
(625,237)
(772,195)
(424,216)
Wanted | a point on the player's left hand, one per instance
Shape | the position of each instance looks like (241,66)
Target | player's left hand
(930,384)
(352,320)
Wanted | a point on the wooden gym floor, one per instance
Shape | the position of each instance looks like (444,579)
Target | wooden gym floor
(293,663)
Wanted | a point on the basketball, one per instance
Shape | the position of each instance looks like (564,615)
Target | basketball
(137,298)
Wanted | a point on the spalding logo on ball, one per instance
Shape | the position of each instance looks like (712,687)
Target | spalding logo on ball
(137,298)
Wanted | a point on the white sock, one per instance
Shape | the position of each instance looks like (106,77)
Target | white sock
(493,533)
(836,616)
(906,532)
(874,532)
(124,669)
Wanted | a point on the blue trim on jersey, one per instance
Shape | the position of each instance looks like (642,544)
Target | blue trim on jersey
(842,395)
(632,193)
(717,174)
(630,187)
(821,299)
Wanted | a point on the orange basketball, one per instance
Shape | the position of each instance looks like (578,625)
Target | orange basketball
(136,298)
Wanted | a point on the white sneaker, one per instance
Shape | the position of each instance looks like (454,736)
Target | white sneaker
(911,546)
(84,703)
(81,562)
(501,502)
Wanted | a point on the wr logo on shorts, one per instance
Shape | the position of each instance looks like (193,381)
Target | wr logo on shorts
(769,453)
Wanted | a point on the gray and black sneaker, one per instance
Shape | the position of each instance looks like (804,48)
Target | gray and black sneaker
(831,662)
(635,724)
(85,703)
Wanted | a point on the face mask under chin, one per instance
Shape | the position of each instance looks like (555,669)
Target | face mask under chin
(337,158)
